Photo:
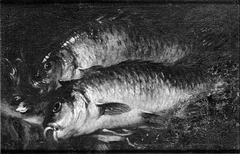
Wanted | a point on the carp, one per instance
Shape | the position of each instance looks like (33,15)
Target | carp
(105,41)
(127,94)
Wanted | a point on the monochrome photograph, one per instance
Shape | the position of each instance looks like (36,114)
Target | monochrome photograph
(120,77)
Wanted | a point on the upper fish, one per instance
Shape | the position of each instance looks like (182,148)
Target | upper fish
(105,41)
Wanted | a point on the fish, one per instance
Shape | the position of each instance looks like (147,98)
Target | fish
(131,93)
(103,42)
(13,127)
(13,86)
(12,93)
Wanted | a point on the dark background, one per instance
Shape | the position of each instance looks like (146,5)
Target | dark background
(29,30)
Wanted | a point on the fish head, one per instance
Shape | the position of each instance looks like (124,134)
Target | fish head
(27,103)
(32,108)
(13,86)
(54,68)
(65,116)
(45,76)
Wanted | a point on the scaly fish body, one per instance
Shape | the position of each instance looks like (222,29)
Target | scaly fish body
(105,42)
(121,95)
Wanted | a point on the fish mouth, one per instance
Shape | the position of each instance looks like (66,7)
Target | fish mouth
(41,84)
(34,83)
(19,101)
(51,132)
(21,108)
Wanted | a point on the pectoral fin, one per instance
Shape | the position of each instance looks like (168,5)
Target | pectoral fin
(113,108)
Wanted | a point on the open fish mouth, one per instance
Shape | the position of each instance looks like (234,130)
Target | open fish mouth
(21,108)
(37,84)
(50,133)
(20,101)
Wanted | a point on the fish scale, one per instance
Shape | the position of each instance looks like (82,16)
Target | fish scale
(116,97)
(107,42)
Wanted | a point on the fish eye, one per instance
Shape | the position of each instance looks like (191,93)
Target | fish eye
(57,107)
(48,66)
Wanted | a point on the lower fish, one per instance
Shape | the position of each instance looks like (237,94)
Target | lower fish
(128,94)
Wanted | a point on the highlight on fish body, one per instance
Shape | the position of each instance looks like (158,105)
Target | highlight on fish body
(106,41)
(128,94)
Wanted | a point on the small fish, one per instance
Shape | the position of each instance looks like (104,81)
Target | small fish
(105,42)
(10,87)
(14,89)
(127,94)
